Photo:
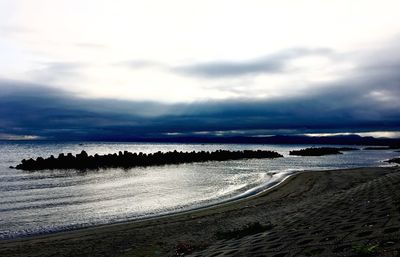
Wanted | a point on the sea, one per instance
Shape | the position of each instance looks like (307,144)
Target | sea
(33,203)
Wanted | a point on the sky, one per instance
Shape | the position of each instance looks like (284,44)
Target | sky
(73,69)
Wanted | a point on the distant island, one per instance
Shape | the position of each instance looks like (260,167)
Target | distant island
(320,151)
(394,160)
(391,147)
(126,159)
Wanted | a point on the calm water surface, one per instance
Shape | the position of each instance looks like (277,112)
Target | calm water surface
(48,201)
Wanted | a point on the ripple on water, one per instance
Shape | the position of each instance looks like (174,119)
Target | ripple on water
(48,201)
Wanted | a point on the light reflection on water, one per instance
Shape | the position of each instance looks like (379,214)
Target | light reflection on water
(48,201)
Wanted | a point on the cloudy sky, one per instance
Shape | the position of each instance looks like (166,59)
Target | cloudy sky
(80,69)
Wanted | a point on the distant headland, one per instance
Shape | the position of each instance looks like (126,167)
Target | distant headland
(320,151)
(394,160)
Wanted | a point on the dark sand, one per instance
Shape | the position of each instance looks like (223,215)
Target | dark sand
(324,213)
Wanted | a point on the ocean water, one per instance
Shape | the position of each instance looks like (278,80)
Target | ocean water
(47,201)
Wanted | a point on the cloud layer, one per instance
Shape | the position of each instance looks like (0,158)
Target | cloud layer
(145,68)
(184,52)
(364,102)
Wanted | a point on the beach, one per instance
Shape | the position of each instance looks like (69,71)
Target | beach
(316,213)
(199,128)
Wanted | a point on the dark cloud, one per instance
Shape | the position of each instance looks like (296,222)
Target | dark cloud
(49,113)
(268,64)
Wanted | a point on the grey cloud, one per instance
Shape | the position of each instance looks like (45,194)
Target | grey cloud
(90,45)
(221,69)
(141,64)
(52,71)
(11,30)
(63,67)
(268,64)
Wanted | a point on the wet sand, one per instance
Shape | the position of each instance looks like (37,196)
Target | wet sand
(318,213)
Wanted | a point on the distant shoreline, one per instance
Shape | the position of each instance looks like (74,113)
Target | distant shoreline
(273,140)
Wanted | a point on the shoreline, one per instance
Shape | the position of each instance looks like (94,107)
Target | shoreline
(138,237)
(241,197)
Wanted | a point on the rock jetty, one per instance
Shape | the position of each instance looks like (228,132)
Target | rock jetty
(126,159)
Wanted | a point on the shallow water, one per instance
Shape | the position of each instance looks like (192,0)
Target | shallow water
(47,201)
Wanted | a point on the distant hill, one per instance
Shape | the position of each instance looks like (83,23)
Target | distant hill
(278,139)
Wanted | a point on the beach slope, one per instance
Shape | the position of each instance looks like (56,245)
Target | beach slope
(318,213)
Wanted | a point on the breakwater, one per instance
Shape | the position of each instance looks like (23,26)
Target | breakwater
(126,159)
